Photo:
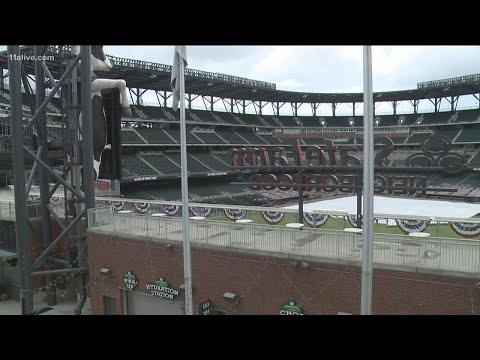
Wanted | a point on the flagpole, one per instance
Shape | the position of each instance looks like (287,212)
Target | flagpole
(187,261)
(368,176)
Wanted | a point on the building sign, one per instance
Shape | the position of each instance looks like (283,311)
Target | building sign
(162,289)
(331,168)
(205,306)
(145,178)
(291,309)
(130,280)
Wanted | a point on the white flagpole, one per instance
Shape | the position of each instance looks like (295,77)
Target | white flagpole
(187,261)
(368,175)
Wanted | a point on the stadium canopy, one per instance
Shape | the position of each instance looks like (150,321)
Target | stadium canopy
(153,76)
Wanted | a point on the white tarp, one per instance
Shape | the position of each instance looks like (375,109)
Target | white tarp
(400,206)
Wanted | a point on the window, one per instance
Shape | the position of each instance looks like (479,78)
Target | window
(109,305)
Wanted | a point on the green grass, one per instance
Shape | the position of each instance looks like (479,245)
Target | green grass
(443,231)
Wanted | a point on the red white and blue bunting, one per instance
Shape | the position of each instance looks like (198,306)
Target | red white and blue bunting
(273,217)
(315,220)
(172,210)
(352,219)
(200,211)
(466,230)
(412,226)
(117,205)
(141,207)
(235,214)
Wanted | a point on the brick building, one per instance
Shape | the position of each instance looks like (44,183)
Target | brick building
(246,281)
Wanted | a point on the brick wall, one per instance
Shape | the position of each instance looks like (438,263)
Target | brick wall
(265,283)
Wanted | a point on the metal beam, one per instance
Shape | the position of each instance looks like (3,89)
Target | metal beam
(43,174)
(53,92)
(21,216)
(48,73)
(60,271)
(368,186)
(42,257)
(88,171)
(28,91)
(32,173)
(55,216)
(87,129)
(63,182)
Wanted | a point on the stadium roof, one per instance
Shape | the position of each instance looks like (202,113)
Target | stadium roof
(153,76)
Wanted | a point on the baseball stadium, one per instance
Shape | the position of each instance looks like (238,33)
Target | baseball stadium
(274,192)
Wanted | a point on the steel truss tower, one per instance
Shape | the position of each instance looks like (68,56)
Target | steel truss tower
(77,146)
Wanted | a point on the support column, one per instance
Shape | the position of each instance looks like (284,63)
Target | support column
(43,173)
(18,156)
(88,171)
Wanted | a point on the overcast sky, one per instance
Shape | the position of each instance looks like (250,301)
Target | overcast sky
(322,68)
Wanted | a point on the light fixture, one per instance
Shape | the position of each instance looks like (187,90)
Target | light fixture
(168,246)
(230,296)
(304,265)
(105,271)
(293,264)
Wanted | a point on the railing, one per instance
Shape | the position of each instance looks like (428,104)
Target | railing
(7,210)
(432,253)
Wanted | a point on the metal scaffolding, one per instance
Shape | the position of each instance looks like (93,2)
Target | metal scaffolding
(77,148)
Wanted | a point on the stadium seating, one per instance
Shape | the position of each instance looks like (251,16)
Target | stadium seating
(155,136)
(475,161)
(204,116)
(192,164)
(161,163)
(251,138)
(449,132)
(469,134)
(134,166)
(441,117)
(225,156)
(211,161)
(314,141)
(231,137)
(418,138)
(450,179)
(288,121)
(154,112)
(191,139)
(388,120)
(272,140)
(468,115)
(209,138)
(130,137)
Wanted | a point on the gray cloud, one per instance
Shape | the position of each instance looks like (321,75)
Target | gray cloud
(321,68)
